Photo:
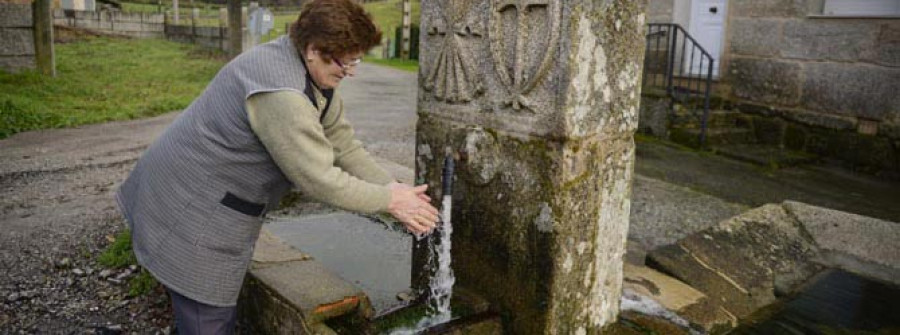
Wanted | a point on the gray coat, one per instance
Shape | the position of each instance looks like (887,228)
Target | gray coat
(195,199)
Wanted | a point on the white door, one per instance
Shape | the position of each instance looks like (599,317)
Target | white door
(707,26)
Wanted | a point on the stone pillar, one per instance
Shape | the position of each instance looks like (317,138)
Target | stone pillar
(538,100)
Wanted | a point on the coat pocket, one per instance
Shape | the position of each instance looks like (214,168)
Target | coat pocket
(230,228)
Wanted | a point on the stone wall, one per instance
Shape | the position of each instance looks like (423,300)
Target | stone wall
(16,37)
(780,55)
(143,25)
(207,37)
(140,25)
(831,77)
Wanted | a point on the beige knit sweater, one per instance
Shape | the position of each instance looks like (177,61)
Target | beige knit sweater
(323,159)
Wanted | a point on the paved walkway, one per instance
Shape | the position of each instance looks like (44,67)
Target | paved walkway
(676,191)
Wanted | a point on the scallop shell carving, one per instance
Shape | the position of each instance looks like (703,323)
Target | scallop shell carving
(454,78)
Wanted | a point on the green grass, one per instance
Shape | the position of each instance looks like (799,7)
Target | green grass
(103,79)
(119,255)
(388,14)
(405,65)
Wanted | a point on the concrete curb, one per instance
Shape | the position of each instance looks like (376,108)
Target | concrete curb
(288,292)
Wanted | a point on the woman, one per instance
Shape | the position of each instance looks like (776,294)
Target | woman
(270,118)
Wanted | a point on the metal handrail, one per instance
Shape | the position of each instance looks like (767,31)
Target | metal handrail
(666,65)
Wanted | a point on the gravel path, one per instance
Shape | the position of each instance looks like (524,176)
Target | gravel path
(57,215)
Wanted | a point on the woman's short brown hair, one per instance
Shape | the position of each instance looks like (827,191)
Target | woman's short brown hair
(335,28)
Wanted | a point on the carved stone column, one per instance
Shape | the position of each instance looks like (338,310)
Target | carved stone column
(539,101)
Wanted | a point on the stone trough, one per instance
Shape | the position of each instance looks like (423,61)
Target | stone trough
(714,279)
(721,276)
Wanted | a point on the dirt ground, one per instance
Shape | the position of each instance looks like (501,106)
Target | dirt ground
(58,214)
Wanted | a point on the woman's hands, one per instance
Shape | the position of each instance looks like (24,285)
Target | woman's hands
(411,206)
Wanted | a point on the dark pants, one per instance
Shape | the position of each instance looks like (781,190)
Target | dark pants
(196,318)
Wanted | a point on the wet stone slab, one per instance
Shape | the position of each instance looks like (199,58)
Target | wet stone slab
(344,243)
(744,262)
(754,259)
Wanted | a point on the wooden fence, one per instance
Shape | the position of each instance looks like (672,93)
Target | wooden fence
(140,25)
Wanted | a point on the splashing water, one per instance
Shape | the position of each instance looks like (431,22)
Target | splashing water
(441,284)
(632,301)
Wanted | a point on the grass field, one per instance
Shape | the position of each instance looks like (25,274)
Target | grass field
(405,65)
(389,14)
(103,79)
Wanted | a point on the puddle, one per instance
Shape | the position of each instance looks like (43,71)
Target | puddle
(838,302)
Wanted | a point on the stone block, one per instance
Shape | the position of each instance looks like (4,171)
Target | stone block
(889,130)
(755,37)
(307,287)
(539,100)
(667,291)
(129,17)
(660,11)
(15,15)
(769,8)
(654,116)
(827,40)
(16,42)
(769,131)
(865,239)
(887,46)
(127,27)
(15,64)
(766,81)
(270,249)
(744,263)
(852,89)
(208,31)
(679,298)
(836,122)
(795,137)
(511,187)
(862,152)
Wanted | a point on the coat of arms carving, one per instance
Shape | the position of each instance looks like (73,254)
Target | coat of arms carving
(523,38)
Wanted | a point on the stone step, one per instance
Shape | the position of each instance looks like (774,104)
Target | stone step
(714,136)
(683,118)
(765,155)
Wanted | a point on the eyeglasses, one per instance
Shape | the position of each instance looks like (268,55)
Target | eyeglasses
(349,66)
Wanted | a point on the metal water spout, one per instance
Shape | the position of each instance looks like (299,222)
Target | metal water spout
(449,167)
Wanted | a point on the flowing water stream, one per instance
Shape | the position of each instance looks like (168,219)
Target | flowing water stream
(440,286)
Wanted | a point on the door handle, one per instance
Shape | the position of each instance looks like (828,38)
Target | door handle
(713,10)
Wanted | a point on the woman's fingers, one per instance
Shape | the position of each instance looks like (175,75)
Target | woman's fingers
(415,228)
